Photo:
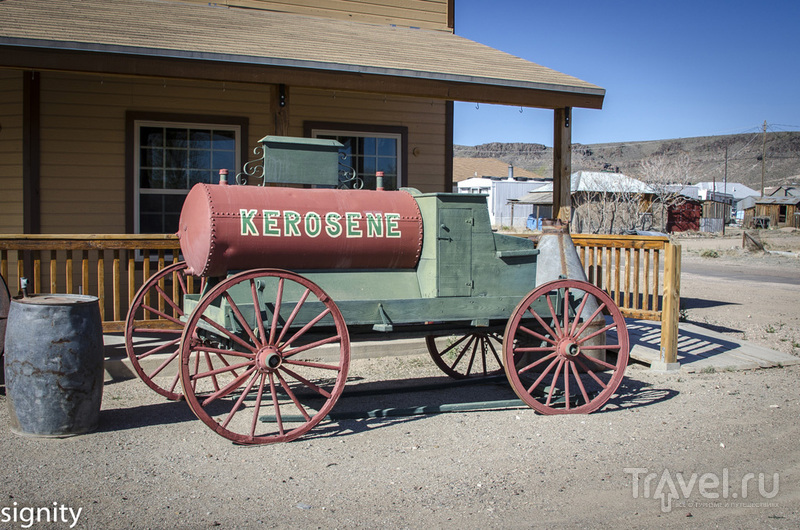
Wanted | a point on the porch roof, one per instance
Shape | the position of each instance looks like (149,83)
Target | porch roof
(171,39)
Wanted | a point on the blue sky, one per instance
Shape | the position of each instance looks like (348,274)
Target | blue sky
(670,69)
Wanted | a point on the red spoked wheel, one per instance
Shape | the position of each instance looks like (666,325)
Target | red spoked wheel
(154,325)
(471,355)
(264,356)
(548,342)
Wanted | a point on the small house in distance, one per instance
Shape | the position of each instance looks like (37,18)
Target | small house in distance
(773,212)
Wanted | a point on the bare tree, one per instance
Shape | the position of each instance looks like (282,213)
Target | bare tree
(666,175)
(609,203)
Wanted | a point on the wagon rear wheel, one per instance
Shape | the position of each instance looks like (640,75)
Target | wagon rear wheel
(154,325)
(475,354)
(548,347)
(264,356)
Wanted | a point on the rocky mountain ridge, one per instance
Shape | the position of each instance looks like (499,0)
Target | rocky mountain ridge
(739,157)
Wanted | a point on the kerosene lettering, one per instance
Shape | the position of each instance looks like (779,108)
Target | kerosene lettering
(290,223)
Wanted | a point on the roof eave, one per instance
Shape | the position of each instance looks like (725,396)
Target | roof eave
(127,60)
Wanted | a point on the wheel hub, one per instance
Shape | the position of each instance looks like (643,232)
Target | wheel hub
(569,348)
(268,359)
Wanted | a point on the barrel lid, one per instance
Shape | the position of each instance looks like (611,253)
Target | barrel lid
(57,299)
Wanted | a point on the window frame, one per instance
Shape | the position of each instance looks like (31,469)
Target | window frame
(311,129)
(135,120)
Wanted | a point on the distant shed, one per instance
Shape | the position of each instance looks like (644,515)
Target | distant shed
(778,212)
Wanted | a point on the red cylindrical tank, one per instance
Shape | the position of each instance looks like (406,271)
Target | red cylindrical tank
(225,228)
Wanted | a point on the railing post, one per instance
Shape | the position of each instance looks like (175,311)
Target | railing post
(668,355)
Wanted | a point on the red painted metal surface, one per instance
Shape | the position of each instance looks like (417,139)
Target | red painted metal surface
(225,228)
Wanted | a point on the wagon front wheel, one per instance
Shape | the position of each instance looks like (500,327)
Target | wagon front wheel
(551,347)
(475,354)
(264,356)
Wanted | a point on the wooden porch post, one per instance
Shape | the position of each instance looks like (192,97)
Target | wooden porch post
(562,164)
(670,310)
(279,108)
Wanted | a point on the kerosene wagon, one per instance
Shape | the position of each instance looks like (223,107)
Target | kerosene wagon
(290,276)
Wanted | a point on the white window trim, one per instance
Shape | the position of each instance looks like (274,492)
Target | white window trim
(368,134)
(137,124)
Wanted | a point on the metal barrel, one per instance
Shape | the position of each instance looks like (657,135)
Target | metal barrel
(54,365)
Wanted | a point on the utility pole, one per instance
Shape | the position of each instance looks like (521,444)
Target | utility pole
(763,157)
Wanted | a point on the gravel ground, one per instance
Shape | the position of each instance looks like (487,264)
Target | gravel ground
(669,450)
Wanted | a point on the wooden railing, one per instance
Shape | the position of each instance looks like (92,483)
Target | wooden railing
(642,276)
(111,267)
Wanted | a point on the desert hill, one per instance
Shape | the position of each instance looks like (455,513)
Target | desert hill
(707,157)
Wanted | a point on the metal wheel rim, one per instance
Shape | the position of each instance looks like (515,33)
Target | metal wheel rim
(476,354)
(172,348)
(245,376)
(558,365)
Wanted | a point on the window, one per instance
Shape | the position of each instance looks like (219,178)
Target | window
(170,158)
(368,151)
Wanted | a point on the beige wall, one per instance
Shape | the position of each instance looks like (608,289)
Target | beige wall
(83,137)
(10,151)
(426,14)
(425,120)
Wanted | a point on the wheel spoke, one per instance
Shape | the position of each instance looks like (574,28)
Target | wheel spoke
(276,312)
(291,395)
(242,321)
(308,326)
(168,300)
(216,371)
(578,314)
(159,348)
(257,406)
(534,364)
(553,381)
(311,345)
(537,335)
(580,383)
(257,312)
(239,401)
(309,384)
(230,387)
(164,364)
(547,329)
(275,404)
(589,320)
(162,314)
(227,333)
(542,375)
(221,351)
(598,332)
(292,316)
(556,325)
(566,379)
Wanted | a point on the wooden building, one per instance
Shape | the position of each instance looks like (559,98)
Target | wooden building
(773,212)
(110,111)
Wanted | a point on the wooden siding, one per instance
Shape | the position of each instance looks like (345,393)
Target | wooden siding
(11,201)
(426,14)
(83,138)
(425,120)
